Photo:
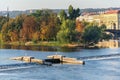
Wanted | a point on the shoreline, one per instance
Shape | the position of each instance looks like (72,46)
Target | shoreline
(104,44)
(44,43)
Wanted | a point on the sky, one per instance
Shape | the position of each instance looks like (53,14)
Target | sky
(56,4)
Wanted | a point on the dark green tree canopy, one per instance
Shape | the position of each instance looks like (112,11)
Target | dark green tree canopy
(73,13)
(91,34)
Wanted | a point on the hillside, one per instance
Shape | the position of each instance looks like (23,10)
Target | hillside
(13,14)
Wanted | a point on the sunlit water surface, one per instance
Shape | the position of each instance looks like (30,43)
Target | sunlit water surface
(107,68)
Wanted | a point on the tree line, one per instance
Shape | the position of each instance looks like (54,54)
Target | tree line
(45,25)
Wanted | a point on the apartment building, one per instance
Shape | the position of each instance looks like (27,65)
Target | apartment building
(110,18)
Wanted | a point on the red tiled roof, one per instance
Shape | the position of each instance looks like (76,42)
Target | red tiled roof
(112,12)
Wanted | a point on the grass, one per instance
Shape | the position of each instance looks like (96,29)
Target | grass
(51,43)
(43,43)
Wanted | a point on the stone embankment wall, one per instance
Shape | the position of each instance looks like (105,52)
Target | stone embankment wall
(109,44)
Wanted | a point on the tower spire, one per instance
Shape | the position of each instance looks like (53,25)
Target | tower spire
(7,13)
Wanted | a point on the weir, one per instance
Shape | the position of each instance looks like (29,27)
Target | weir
(52,59)
(17,66)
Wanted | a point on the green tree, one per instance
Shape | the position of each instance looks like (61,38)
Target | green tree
(91,35)
(104,35)
(73,13)
(62,15)
(19,22)
(37,14)
(67,32)
(103,27)
(77,12)
(50,27)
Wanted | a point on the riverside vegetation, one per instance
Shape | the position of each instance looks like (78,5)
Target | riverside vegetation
(44,27)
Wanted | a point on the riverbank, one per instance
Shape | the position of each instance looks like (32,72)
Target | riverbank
(45,43)
(103,44)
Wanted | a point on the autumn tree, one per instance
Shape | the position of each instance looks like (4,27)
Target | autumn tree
(29,28)
(7,28)
(3,20)
(48,24)
(79,26)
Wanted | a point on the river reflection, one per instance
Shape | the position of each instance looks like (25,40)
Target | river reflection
(40,48)
(34,48)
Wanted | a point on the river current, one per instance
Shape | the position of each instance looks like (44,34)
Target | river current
(100,64)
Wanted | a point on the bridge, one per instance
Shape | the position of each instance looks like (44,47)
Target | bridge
(115,32)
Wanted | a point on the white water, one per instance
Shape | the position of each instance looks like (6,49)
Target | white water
(100,57)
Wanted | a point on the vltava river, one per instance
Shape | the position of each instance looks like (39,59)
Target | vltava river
(97,66)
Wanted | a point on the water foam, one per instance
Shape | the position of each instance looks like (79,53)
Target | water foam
(17,66)
(100,57)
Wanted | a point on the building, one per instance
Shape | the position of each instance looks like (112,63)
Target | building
(110,18)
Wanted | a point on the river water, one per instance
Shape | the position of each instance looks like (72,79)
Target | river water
(100,64)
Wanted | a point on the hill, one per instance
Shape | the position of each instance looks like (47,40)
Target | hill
(13,14)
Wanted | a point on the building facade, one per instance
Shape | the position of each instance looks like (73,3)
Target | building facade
(110,18)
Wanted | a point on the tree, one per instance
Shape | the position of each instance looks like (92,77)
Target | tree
(103,27)
(71,12)
(7,28)
(105,36)
(36,36)
(29,28)
(91,34)
(48,24)
(79,26)
(37,14)
(19,22)
(67,32)
(62,15)
(11,29)
(3,20)
(77,12)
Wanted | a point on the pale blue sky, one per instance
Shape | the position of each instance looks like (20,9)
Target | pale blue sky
(56,4)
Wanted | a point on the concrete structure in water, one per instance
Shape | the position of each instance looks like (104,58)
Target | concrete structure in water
(110,18)
(52,59)
(68,60)
(28,59)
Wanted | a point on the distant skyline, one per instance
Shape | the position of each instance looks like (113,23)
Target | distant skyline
(56,4)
